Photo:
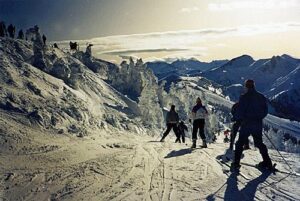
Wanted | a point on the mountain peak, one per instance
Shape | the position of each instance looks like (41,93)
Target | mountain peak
(288,57)
(245,56)
(244,60)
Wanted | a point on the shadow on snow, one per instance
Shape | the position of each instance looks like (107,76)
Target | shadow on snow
(233,193)
(180,152)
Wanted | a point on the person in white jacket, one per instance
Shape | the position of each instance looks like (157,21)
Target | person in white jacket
(198,114)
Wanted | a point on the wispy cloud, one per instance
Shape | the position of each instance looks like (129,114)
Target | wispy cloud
(146,51)
(179,44)
(253,4)
(189,9)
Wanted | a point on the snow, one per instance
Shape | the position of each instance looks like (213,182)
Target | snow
(284,124)
(80,137)
(125,166)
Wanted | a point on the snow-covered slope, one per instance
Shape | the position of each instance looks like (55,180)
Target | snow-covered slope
(68,132)
(74,102)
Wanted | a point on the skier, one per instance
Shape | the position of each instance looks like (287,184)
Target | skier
(181,131)
(252,109)
(21,34)
(3,31)
(88,51)
(226,134)
(198,116)
(44,39)
(172,120)
(55,45)
(235,127)
(11,31)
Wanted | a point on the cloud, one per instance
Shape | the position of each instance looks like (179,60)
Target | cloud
(189,9)
(127,52)
(253,4)
(179,44)
(126,57)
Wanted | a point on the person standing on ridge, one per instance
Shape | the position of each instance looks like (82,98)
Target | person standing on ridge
(172,120)
(235,128)
(44,39)
(21,35)
(199,112)
(11,31)
(3,31)
(251,111)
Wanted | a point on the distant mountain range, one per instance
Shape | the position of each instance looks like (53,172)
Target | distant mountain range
(276,77)
(180,67)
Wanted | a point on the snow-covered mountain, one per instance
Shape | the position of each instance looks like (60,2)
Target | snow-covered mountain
(265,72)
(182,67)
(73,127)
(65,95)
(275,77)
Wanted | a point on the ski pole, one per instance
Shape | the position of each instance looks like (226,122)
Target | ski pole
(278,151)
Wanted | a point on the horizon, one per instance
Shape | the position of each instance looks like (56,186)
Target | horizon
(104,47)
(154,30)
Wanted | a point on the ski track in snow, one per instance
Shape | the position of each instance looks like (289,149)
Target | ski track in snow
(146,170)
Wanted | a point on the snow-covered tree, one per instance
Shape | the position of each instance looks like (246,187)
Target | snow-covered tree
(151,111)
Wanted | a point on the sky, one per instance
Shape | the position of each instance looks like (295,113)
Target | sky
(165,29)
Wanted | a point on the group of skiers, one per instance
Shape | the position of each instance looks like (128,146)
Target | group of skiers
(10,31)
(197,115)
(247,115)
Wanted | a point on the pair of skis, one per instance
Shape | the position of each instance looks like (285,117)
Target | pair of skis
(226,168)
(225,161)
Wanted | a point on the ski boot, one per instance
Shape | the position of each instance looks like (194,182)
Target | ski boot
(204,145)
(246,147)
(194,144)
(235,167)
(266,166)
(177,140)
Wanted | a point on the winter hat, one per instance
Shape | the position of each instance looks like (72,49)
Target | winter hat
(199,100)
(249,84)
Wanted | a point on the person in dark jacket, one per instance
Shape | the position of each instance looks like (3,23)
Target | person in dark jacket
(11,30)
(198,115)
(235,128)
(44,39)
(251,111)
(3,31)
(181,131)
(21,34)
(172,122)
(55,45)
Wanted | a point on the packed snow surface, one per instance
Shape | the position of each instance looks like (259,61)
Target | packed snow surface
(130,166)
